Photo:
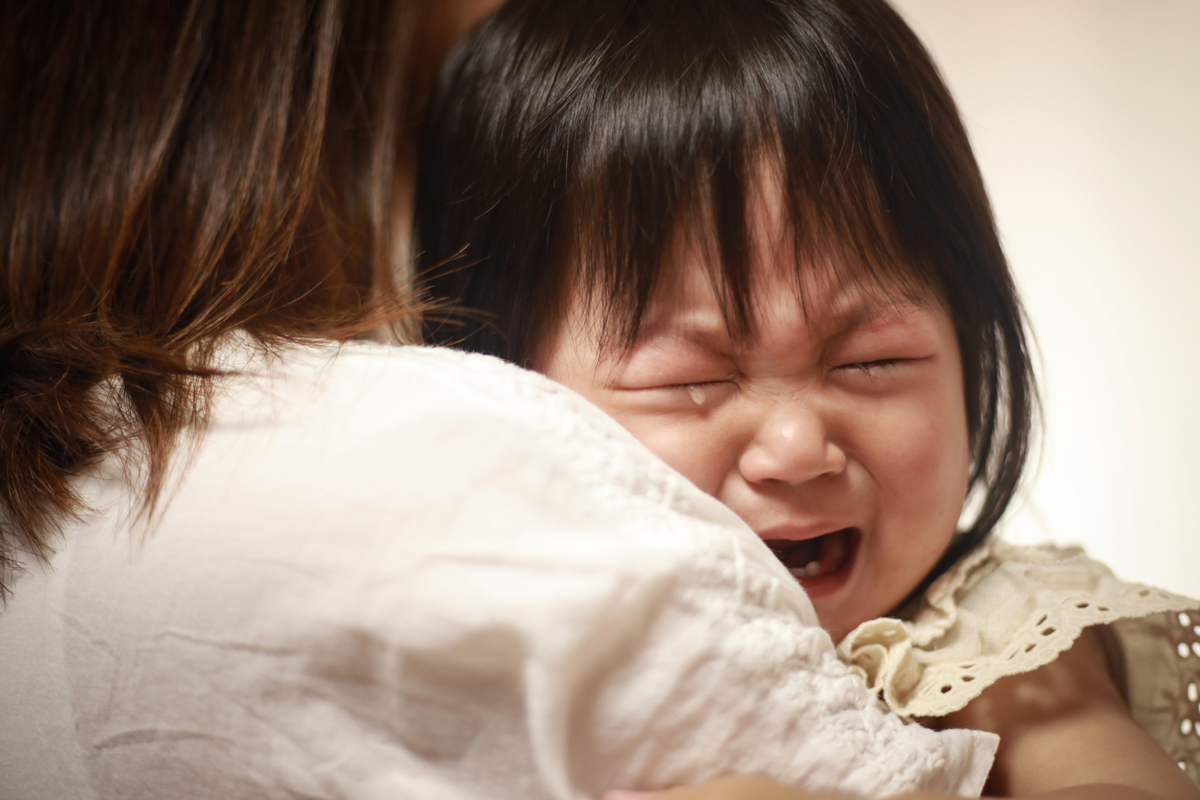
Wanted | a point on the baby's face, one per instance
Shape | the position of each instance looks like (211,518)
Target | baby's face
(839,435)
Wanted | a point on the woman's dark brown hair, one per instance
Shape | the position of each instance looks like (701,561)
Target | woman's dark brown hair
(171,172)
(571,140)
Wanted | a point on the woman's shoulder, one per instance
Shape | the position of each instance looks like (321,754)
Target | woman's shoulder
(361,388)
(410,412)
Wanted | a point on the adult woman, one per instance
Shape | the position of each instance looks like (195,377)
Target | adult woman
(288,568)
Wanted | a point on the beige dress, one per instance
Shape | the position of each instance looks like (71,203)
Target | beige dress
(1007,609)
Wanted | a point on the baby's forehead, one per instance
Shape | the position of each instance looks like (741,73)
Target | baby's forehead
(830,300)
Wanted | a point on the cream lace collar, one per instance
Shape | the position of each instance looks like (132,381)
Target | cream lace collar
(1002,610)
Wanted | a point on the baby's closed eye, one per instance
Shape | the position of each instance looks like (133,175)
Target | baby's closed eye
(873,368)
(662,370)
(688,395)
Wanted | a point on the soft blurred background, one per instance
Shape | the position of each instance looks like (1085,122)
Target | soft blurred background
(1085,117)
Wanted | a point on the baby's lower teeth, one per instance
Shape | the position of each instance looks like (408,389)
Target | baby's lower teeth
(809,570)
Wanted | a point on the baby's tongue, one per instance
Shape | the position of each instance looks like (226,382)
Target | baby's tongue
(795,554)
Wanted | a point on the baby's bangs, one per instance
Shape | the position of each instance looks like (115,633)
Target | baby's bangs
(697,130)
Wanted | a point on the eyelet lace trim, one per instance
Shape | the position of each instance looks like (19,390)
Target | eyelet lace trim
(1002,610)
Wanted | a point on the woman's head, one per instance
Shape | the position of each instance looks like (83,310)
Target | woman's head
(579,150)
(169,173)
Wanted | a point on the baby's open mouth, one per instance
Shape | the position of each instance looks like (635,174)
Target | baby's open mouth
(818,557)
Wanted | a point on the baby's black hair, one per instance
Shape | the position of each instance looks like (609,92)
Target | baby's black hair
(571,140)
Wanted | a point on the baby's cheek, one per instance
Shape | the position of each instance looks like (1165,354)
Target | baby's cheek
(925,457)
(919,446)
(685,445)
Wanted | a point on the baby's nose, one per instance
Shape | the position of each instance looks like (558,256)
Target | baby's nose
(792,446)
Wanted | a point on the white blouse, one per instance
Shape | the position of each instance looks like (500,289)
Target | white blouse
(413,573)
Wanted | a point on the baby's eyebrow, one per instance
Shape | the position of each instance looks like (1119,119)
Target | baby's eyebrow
(702,328)
(851,311)
(855,313)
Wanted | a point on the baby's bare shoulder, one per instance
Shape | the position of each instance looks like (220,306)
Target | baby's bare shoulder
(1065,724)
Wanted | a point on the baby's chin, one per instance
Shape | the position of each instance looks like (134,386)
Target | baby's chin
(840,616)
(839,625)
(839,619)
(829,569)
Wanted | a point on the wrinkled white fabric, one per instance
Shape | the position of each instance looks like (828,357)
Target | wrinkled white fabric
(1007,609)
(413,573)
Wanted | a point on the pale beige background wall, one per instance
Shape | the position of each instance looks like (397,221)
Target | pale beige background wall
(1085,116)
